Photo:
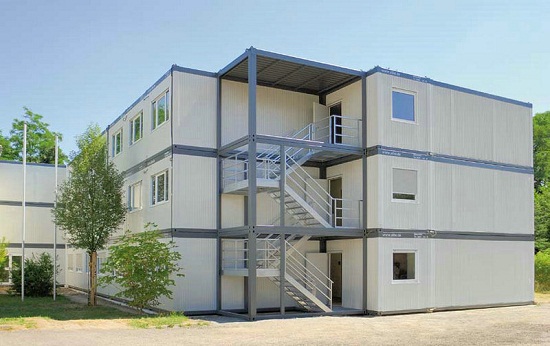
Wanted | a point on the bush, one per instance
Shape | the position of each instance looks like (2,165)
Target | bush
(38,276)
(542,271)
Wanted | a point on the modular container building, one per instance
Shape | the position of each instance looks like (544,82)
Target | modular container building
(39,201)
(292,186)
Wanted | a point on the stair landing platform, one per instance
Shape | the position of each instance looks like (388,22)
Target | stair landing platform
(262,185)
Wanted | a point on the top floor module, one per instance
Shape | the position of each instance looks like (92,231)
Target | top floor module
(276,97)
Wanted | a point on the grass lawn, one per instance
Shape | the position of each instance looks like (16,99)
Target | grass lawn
(15,314)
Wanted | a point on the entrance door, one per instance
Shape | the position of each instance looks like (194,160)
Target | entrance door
(336,123)
(335,190)
(335,266)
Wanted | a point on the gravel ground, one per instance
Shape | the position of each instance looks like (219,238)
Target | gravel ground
(511,325)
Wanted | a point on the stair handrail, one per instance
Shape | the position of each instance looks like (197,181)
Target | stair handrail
(326,198)
(319,277)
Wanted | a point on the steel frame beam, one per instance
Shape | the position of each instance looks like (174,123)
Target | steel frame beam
(219,253)
(365,188)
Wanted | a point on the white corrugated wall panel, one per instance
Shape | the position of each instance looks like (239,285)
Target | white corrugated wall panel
(400,295)
(194,192)
(194,107)
(470,272)
(152,142)
(398,133)
(278,111)
(159,214)
(197,290)
(513,140)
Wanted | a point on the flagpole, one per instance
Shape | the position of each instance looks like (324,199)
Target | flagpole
(24,211)
(55,224)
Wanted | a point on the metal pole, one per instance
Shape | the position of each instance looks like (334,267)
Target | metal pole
(55,225)
(24,211)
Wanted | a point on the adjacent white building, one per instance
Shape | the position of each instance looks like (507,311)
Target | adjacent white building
(400,193)
(40,198)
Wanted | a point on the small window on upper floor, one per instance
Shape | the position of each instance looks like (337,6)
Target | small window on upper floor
(403,106)
(117,143)
(405,184)
(134,196)
(159,188)
(161,110)
(136,128)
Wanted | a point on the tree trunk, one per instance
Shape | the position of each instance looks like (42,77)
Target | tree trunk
(93,279)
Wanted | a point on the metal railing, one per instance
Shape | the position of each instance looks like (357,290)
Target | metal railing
(337,129)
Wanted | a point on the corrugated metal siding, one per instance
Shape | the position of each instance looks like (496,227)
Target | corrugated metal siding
(457,198)
(197,290)
(452,123)
(232,211)
(278,111)
(194,106)
(471,272)
(153,141)
(194,192)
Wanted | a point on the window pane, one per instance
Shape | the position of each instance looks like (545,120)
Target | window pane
(404,266)
(154,190)
(161,182)
(162,110)
(137,128)
(404,183)
(166,186)
(402,106)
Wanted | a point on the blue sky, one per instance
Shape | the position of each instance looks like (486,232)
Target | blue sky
(77,62)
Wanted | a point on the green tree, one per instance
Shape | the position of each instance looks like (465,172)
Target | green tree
(38,276)
(143,266)
(541,163)
(542,218)
(3,259)
(90,206)
(40,140)
(541,148)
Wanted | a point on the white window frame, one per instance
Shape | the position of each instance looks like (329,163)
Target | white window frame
(101,258)
(416,273)
(9,266)
(76,267)
(132,128)
(401,200)
(131,196)
(408,92)
(154,188)
(114,138)
(70,262)
(154,113)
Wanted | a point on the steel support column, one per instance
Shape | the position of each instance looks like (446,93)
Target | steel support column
(252,182)
(219,195)
(282,237)
(365,186)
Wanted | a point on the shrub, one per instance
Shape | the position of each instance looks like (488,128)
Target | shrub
(542,271)
(38,276)
(142,266)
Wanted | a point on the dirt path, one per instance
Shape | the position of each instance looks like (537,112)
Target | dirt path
(513,325)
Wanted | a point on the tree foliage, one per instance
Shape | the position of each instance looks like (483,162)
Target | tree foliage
(143,266)
(3,257)
(542,271)
(541,161)
(38,276)
(40,140)
(90,206)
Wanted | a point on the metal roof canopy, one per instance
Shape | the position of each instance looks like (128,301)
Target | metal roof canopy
(291,73)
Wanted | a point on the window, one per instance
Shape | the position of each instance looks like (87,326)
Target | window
(12,262)
(100,260)
(5,271)
(403,106)
(78,264)
(86,262)
(404,184)
(404,265)
(161,110)
(159,188)
(70,264)
(134,196)
(136,128)
(117,143)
